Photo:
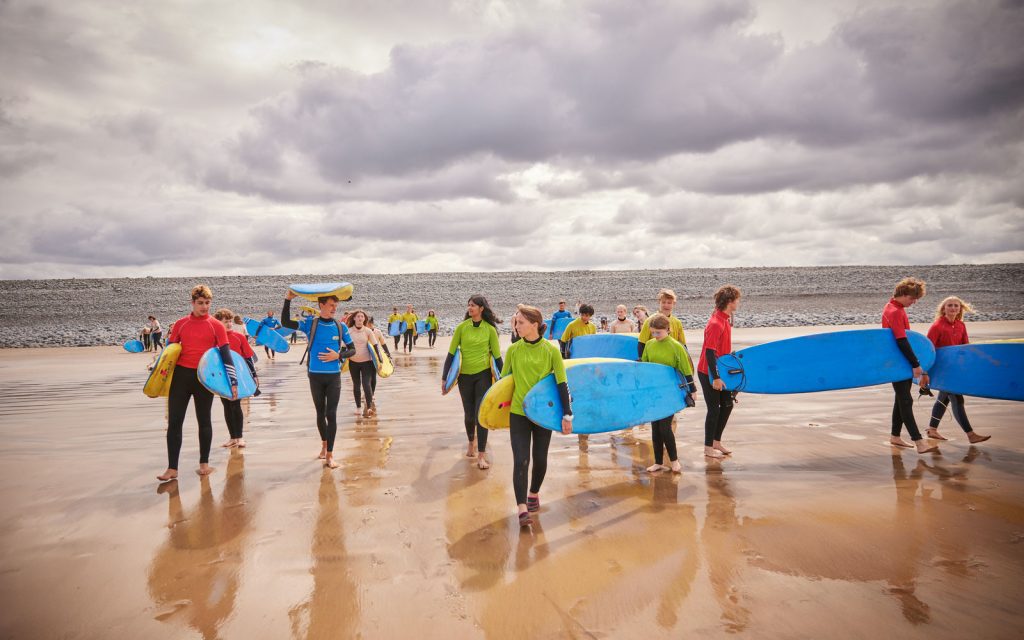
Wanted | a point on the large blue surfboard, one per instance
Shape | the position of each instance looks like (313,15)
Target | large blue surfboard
(213,376)
(608,396)
(557,327)
(453,373)
(266,336)
(421,326)
(134,346)
(992,370)
(605,345)
(395,328)
(823,362)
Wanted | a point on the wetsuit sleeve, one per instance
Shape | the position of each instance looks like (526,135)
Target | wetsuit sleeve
(498,364)
(908,352)
(712,359)
(286,315)
(558,368)
(229,364)
(447,366)
(350,349)
(252,366)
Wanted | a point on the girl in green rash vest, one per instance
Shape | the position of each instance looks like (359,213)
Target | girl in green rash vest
(664,349)
(528,362)
(477,336)
(431,328)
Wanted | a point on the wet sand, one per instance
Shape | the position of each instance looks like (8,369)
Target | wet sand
(814,528)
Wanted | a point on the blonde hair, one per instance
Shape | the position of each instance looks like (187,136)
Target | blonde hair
(964,307)
(658,321)
(666,293)
(910,287)
(201,291)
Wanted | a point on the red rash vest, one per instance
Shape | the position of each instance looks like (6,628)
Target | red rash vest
(717,336)
(197,336)
(894,316)
(239,344)
(944,333)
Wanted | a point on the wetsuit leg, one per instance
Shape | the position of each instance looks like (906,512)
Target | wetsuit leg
(158,340)
(541,442)
(202,402)
(713,400)
(318,389)
(956,403)
(938,410)
(480,387)
(469,404)
(356,372)
(724,411)
(662,430)
(407,341)
(397,339)
(364,380)
(332,394)
(904,407)
(657,441)
(177,404)
(520,433)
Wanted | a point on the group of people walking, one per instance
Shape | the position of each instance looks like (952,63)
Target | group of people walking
(531,358)
(411,333)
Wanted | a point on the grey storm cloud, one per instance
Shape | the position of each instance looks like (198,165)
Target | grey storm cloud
(419,135)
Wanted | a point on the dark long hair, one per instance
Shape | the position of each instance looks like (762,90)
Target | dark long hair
(488,315)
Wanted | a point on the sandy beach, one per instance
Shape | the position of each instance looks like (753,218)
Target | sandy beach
(815,527)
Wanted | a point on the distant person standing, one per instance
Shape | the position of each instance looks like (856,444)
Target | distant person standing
(395,317)
(581,326)
(145,338)
(410,318)
(156,333)
(894,317)
(604,324)
(197,333)
(621,324)
(271,323)
(431,328)
(641,314)
(949,330)
(561,313)
(666,303)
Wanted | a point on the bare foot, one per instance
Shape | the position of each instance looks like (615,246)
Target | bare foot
(922,447)
(935,435)
(974,438)
(204,469)
(240,443)
(359,411)
(323,452)
(330,463)
(899,442)
(471,449)
(721,447)
(481,461)
(712,452)
(167,476)
(228,443)
(676,467)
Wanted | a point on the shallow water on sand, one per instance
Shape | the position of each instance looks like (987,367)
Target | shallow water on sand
(814,528)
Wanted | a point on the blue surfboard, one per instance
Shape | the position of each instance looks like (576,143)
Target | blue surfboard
(605,345)
(266,336)
(557,327)
(421,326)
(285,332)
(395,328)
(823,362)
(608,396)
(213,376)
(992,370)
(453,373)
(134,346)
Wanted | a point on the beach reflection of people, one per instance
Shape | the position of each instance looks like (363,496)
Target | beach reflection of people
(717,342)
(197,333)
(724,549)
(902,575)
(894,317)
(477,339)
(196,571)
(324,352)
(664,349)
(529,361)
(949,330)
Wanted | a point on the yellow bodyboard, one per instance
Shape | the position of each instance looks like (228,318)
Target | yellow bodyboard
(158,385)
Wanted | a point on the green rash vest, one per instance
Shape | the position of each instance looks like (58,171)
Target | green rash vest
(528,364)
(432,322)
(669,352)
(576,328)
(479,343)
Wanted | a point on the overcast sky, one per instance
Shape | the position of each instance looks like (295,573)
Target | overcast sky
(258,136)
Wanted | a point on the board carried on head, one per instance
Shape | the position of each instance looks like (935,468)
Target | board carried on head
(823,362)
(212,375)
(314,291)
(608,396)
(158,384)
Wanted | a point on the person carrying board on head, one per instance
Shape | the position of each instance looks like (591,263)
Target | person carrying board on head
(327,345)
(197,333)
